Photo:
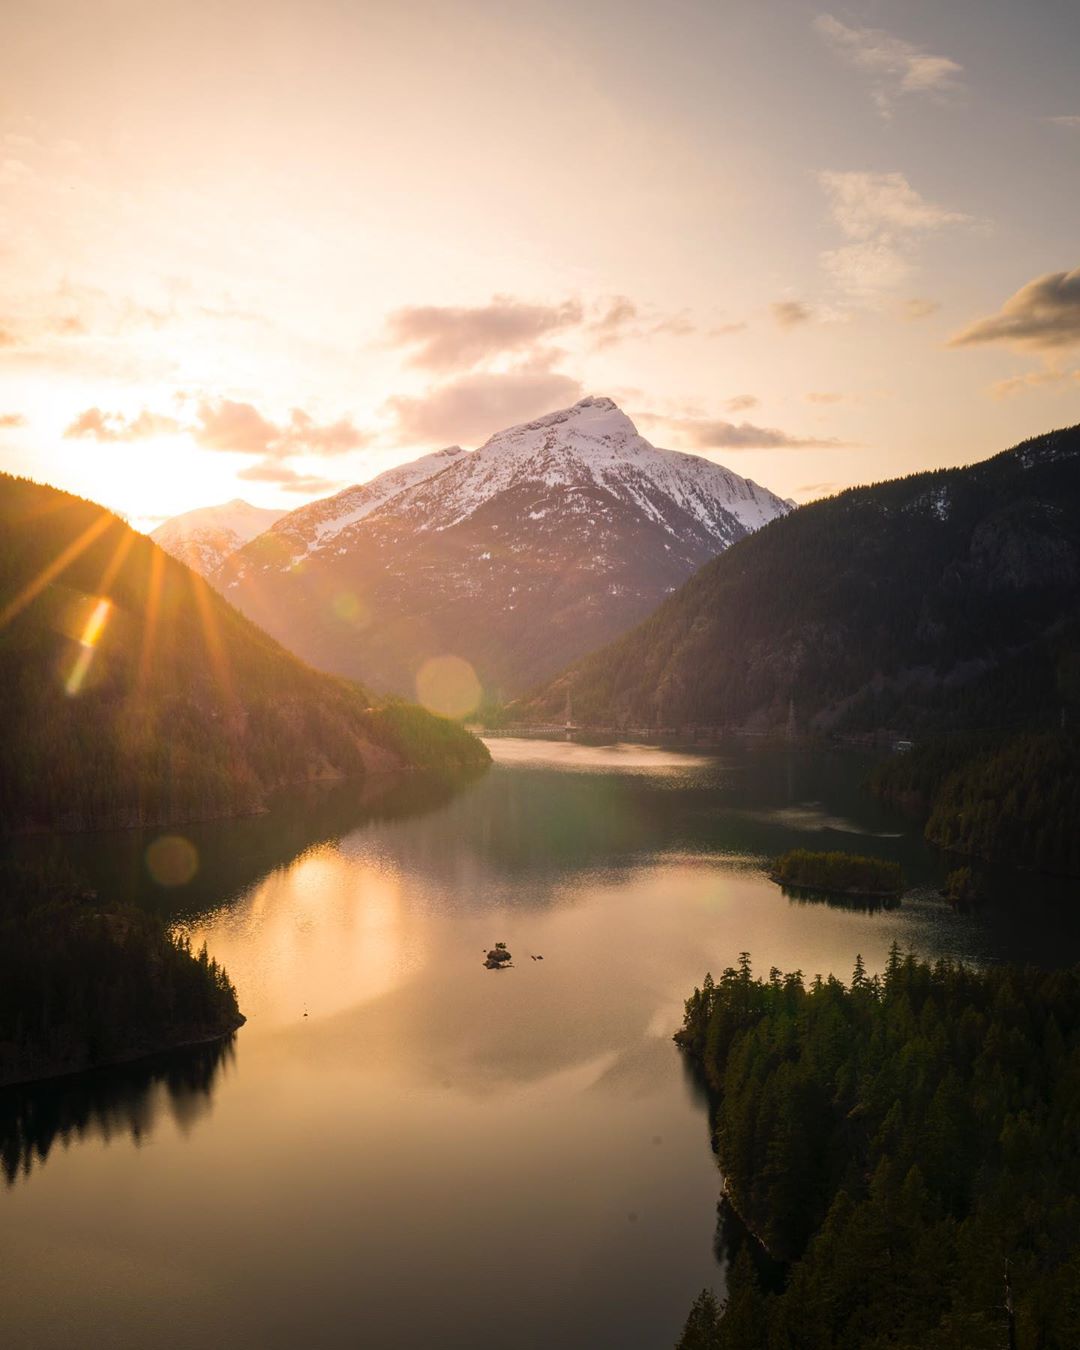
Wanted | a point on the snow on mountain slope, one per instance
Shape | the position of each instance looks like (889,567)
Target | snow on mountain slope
(204,538)
(594,443)
(315,525)
(520,556)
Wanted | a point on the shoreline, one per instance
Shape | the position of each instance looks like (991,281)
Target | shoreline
(42,1076)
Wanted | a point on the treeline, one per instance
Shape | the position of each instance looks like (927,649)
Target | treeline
(842,872)
(163,703)
(908,1145)
(84,982)
(1009,798)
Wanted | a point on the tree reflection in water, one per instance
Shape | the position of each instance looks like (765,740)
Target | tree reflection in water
(129,1099)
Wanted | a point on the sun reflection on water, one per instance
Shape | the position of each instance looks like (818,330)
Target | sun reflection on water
(332,934)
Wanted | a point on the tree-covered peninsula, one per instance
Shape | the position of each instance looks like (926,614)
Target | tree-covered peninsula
(908,1146)
(84,982)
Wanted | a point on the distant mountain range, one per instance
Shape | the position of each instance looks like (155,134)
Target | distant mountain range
(519,557)
(205,537)
(944,600)
(130,693)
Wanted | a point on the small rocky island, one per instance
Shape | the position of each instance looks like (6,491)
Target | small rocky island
(838,874)
(498,957)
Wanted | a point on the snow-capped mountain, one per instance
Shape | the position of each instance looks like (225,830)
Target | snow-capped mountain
(315,525)
(205,537)
(520,556)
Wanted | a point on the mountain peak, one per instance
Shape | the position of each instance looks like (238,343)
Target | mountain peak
(596,419)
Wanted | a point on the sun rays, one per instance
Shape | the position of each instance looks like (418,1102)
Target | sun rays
(63,560)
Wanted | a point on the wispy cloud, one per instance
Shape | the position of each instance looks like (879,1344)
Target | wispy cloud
(472,407)
(443,337)
(620,319)
(1071,121)
(9,421)
(884,218)
(920,308)
(741,403)
(1043,314)
(93,424)
(791,313)
(237,428)
(1053,377)
(704,433)
(897,68)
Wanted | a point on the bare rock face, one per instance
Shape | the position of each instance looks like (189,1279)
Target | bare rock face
(521,556)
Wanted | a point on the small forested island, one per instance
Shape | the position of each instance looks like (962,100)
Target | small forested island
(907,1146)
(838,873)
(85,983)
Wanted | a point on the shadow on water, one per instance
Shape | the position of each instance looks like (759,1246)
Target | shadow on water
(235,854)
(732,1236)
(860,904)
(100,1105)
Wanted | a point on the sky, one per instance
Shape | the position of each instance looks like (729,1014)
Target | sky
(269,248)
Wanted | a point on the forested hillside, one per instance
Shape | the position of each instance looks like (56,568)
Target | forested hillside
(908,1146)
(995,797)
(131,693)
(947,598)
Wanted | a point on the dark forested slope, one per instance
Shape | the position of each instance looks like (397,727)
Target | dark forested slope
(945,598)
(130,692)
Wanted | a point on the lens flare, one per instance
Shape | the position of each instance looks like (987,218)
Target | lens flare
(172,860)
(350,609)
(91,635)
(448,685)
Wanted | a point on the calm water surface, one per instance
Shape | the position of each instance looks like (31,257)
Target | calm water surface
(401,1148)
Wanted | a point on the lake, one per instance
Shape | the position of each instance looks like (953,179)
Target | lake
(402,1148)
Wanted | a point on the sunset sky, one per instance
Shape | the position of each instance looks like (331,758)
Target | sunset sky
(267,248)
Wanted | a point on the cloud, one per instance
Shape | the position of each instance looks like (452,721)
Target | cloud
(824,397)
(884,218)
(610,326)
(231,426)
(226,425)
(1070,120)
(920,309)
(1033,379)
(472,407)
(726,329)
(1043,314)
(288,479)
(704,433)
(103,426)
(242,429)
(8,421)
(446,338)
(741,403)
(791,313)
(897,68)
(8,338)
